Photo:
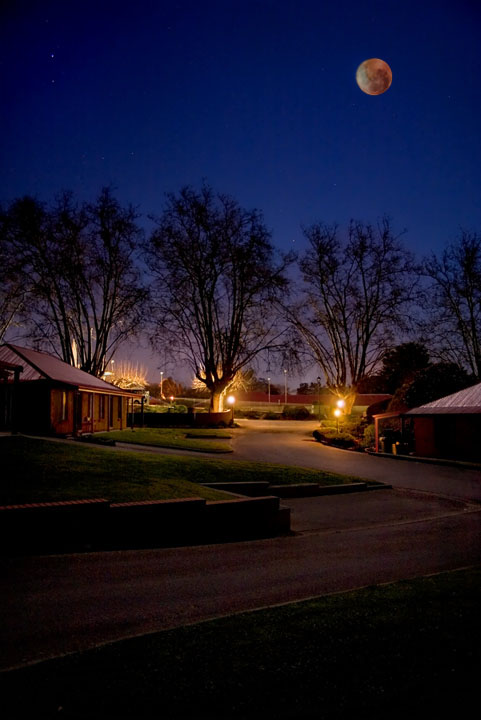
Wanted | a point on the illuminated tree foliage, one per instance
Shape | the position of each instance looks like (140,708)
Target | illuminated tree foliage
(215,285)
(454,295)
(77,263)
(354,299)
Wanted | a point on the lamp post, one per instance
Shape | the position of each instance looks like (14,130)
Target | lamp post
(269,388)
(339,409)
(337,413)
(161,383)
(231,401)
(319,398)
(285,387)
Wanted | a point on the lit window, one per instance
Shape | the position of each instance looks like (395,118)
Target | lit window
(64,407)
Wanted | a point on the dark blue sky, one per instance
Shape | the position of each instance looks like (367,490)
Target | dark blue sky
(257,97)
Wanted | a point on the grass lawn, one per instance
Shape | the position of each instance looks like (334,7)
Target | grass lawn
(393,651)
(44,470)
(204,440)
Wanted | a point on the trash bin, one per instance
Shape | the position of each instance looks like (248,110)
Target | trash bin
(400,448)
(386,445)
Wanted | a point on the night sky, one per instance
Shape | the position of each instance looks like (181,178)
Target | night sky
(258,98)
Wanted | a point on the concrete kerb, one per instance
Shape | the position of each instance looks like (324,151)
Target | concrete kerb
(427,460)
(256,488)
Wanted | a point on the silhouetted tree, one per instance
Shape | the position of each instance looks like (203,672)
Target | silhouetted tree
(14,286)
(431,383)
(354,300)
(215,285)
(401,363)
(454,295)
(85,291)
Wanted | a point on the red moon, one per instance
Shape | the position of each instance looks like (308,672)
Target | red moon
(374,76)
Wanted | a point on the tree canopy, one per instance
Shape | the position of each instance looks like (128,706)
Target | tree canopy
(431,383)
(78,271)
(216,283)
(354,300)
(453,300)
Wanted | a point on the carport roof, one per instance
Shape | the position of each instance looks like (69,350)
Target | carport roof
(466,401)
(39,365)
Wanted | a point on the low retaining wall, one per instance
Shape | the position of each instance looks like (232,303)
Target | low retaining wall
(86,525)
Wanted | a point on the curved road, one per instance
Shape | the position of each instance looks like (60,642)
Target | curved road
(291,443)
(54,605)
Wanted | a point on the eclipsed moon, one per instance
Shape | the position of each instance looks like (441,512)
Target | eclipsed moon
(374,76)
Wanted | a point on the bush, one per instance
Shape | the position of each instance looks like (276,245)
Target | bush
(164,408)
(271,416)
(290,412)
(330,436)
(249,414)
(369,436)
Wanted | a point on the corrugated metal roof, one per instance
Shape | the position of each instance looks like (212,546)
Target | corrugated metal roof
(10,356)
(463,402)
(39,365)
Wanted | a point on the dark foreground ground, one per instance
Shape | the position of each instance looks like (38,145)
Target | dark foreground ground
(385,651)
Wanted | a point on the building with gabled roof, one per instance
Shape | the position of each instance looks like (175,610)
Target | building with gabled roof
(48,396)
(449,427)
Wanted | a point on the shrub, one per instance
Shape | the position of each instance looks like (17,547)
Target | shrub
(271,416)
(290,412)
(330,436)
(180,408)
(369,436)
(249,414)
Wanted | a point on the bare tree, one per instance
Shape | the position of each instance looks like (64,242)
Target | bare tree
(353,299)
(454,296)
(86,296)
(13,284)
(216,285)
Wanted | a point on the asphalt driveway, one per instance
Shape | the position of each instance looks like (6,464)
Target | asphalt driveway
(291,443)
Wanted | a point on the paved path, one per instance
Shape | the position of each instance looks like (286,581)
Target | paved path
(291,443)
(54,605)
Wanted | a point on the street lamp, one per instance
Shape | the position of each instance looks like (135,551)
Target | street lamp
(231,401)
(285,387)
(269,388)
(319,398)
(337,413)
(161,383)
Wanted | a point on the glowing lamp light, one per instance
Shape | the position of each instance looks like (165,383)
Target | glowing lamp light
(337,415)
(341,403)
(230,400)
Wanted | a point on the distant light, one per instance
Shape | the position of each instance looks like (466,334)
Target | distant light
(337,412)
(341,403)
(231,400)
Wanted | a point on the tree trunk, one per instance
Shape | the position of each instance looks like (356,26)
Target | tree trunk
(216,398)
